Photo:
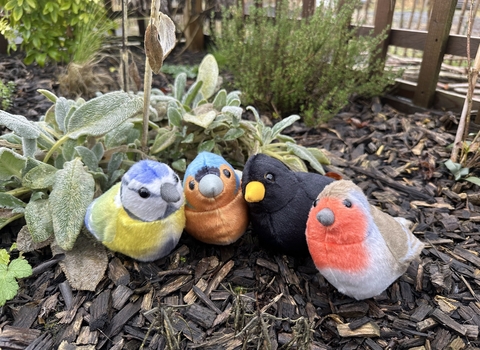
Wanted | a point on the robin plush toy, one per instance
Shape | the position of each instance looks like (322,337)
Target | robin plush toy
(359,249)
(279,200)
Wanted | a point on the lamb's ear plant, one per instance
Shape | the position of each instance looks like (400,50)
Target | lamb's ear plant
(201,118)
(51,169)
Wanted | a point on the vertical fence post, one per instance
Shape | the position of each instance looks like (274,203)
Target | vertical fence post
(435,44)
(308,8)
(383,21)
(194,25)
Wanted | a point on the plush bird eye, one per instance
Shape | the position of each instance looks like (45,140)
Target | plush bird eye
(143,192)
(176,178)
(315,202)
(227,173)
(269,177)
(191,185)
(347,203)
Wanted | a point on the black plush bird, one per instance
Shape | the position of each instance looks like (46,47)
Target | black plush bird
(279,201)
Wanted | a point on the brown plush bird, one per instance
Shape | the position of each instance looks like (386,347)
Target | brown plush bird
(359,249)
(215,210)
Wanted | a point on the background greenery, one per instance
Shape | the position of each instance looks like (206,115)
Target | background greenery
(55,29)
(289,65)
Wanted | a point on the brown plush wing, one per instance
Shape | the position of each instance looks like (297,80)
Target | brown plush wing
(402,243)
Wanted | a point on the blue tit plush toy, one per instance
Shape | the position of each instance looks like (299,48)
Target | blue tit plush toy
(143,216)
(216,211)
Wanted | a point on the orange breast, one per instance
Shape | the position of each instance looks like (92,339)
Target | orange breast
(342,244)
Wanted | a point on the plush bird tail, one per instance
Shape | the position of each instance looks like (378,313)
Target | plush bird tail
(414,246)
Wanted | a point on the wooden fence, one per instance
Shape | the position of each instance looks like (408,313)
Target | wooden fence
(438,34)
(435,29)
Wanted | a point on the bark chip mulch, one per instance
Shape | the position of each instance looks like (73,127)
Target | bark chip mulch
(245,297)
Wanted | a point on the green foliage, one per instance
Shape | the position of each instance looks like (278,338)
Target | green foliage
(197,123)
(60,160)
(176,69)
(310,65)
(470,159)
(54,29)
(6,92)
(10,271)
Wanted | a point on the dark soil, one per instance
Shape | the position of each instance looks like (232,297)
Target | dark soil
(244,296)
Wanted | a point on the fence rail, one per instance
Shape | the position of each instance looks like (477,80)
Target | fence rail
(432,30)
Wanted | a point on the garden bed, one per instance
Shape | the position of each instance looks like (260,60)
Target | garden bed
(211,297)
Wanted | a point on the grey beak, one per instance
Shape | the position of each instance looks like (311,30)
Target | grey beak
(210,186)
(326,217)
(169,193)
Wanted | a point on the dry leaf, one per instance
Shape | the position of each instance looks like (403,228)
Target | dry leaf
(159,42)
(85,264)
(166,34)
(153,48)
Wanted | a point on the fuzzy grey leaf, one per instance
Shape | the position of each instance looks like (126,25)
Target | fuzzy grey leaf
(163,141)
(39,220)
(88,157)
(19,125)
(236,111)
(11,164)
(303,153)
(40,177)
(29,147)
(220,100)
(62,107)
(208,73)
(50,95)
(71,194)
(118,136)
(104,113)
(7,201)
(179,86)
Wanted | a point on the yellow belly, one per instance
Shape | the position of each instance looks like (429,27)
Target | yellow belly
(146,241)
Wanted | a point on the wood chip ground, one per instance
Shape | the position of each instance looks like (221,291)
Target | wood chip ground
(245,297)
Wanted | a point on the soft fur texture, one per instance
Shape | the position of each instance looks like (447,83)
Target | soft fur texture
(279,201)
(143,216)
(359,249)
(216,211)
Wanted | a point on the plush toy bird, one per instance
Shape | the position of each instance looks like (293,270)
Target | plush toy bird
(216,211)
(143,216)
(358,248)
(279,200)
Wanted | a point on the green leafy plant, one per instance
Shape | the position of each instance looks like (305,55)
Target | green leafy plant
(201,119)
(6,92)
(50,169)
(83,76)
(54,29)
(470,160)
(10,272)
(309,65)
(175,69)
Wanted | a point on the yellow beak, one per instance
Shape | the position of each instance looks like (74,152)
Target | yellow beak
(254,192)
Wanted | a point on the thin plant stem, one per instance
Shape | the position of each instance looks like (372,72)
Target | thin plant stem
(124,46)
(147,81)
(463,124)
